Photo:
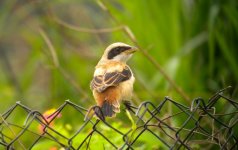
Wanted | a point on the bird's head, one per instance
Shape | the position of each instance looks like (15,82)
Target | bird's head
(118,52)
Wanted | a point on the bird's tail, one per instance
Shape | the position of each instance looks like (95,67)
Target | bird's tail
(110,109)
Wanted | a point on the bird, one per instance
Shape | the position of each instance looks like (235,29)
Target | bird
(113,79)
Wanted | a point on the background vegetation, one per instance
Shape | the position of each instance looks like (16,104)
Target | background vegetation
(48,49)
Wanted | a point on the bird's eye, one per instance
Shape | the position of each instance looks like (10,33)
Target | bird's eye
(118,49)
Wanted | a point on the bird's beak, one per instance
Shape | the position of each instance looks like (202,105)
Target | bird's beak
(132,50)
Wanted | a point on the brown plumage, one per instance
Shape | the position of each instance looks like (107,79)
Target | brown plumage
(113,79)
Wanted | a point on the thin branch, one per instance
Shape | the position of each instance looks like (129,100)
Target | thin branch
(51,47)
(56,63)
(11,130)
(85,95)
(132,37)
(94,31)
(15,125)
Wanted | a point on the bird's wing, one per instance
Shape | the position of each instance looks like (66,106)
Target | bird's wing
(102,82)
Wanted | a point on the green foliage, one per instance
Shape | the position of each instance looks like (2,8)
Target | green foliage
(195,42)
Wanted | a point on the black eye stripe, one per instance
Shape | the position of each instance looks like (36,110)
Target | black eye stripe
(117,50)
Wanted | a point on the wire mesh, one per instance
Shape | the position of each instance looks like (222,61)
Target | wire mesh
(211,123)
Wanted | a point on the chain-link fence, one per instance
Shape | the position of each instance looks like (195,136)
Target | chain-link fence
(209,124)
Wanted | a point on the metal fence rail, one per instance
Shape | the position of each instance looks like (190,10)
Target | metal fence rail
(209,123)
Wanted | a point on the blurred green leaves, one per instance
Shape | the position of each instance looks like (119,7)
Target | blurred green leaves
(194,42)
(200,35)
